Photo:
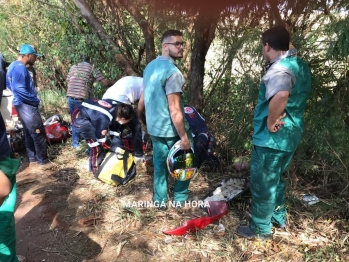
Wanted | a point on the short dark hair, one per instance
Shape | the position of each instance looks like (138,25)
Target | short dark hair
(170,33)
(86,58)
(124,111)
(277,37)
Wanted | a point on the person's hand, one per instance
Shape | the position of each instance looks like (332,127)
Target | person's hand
(5,187)
(185,144)
(276,125)
(106,145)
(104,132)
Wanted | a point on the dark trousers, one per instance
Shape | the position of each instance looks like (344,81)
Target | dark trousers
(135,127)
(201,147)
(267,186)
(85,128)
(72,104)
(34,131)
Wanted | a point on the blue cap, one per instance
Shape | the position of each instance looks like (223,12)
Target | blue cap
(28,49)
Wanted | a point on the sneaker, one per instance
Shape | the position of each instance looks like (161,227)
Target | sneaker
(47,166)
(138,159)
(162,207)
(282,226)
(246,231)
(33,164)
(21,258)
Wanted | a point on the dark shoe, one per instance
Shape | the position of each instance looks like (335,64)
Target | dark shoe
(47,166)
(179,205)
(281,226)
(246,231)
(162,207)
(21,258)
(33,164)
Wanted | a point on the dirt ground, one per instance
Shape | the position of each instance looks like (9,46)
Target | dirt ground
(64,214)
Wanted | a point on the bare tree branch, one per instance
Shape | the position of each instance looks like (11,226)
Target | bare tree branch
(102,34)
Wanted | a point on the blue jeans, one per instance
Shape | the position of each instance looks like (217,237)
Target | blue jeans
(72,104)
(34,131)
(84,127)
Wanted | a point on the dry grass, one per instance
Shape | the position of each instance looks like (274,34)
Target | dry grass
(316,233)
(95,210)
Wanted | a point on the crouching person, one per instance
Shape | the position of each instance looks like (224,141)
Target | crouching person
(92,120)
(204,141)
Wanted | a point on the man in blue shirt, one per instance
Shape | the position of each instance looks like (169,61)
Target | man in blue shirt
(163,104)
(26,102)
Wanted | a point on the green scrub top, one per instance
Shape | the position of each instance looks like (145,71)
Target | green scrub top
(292,74)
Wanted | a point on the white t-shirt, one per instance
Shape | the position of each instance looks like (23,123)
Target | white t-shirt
(127,90)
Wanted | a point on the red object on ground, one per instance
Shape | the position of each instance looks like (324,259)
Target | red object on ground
(216,210)
(56,132)
(14,111)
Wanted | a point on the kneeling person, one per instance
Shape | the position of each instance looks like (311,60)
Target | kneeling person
(92,120)
(127,90)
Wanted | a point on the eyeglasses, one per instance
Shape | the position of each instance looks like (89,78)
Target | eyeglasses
(176,44)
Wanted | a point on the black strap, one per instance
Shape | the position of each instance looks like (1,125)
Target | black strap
(125,162)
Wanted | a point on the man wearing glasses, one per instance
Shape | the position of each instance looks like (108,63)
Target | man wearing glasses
(164,111)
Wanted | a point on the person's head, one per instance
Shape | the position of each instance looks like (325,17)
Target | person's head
(172,44)
(86,59)
(28,54)
(275,41)
(124,113)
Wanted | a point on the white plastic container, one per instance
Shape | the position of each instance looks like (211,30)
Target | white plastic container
(6,108)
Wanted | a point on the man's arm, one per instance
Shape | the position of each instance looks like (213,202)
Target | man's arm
(107,83)
(178,119)
(277,105)
(5,187)
(141,110)
(70,73)
(19,86)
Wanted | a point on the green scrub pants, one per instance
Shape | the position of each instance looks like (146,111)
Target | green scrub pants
(7,220)
(267,186)
(161,148)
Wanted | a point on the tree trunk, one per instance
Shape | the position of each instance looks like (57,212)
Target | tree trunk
(144,25)
(103,36)
(205,27)
(276,13)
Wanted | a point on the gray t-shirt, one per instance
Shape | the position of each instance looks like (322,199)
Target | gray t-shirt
(174,83)
(278,78)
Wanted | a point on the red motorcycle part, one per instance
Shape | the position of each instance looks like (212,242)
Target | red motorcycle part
(56,132)
(216,210)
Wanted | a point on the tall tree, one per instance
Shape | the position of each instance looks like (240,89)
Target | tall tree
(205,27)
(102,34)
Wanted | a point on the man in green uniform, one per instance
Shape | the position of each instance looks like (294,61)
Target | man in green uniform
(162,103)
(8,189)
(278,128)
